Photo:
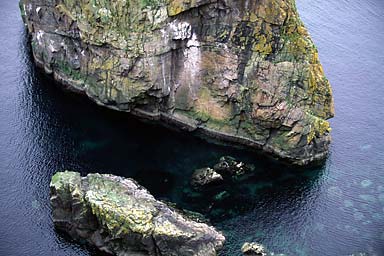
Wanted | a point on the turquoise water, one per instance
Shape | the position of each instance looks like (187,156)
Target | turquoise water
(335,209)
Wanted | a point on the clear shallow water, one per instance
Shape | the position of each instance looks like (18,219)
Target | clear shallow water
(336,209)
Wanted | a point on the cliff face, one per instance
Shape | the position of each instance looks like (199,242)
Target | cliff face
(243,72)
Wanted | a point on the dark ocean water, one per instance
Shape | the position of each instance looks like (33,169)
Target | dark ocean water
(336,209)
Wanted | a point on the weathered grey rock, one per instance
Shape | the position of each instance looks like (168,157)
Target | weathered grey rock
(120,217)
(256,249)
(253,249)
(241,72)
(204,177)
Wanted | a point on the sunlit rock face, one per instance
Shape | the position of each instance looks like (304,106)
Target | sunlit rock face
(120,217)
(241,72)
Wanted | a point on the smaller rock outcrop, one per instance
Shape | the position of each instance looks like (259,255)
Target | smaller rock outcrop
(217,190)
(227,170)
(253,249)
(120,217)
(256,249)
(204,177)
(229,166)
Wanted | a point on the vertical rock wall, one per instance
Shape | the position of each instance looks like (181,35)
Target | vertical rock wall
(242,72)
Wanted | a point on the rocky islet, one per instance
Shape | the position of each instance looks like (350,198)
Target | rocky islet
(241,72)
(119,217)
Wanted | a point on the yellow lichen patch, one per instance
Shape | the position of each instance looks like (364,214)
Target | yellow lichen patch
(253,17)
(316,75)
(315,58)
(262,46)
(177,6)
(103,64)
(124,218)
(290,27)
(118,211)
(208,106)
(301,44)
(273,11)
(318,127)
(169,229)
(320,92)
(263,36)
(302,30)
(297,46)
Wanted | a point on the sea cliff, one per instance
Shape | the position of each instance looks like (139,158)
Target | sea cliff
(241,72)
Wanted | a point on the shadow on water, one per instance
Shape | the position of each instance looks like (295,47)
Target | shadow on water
(66,131)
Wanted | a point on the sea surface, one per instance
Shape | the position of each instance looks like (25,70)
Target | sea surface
(336,209)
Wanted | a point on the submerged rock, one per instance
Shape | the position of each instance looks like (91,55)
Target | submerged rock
(221,191)
(241,72)
(256,249)
(120,217)
(229,166)
(253,249)
(204,177)
(227,170)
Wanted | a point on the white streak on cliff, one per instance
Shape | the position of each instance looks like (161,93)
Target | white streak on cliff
(180,30)
(39,37)
(52,47)
(166,86)
(193,58)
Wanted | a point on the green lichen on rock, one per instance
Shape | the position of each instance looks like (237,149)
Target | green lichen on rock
(120,217)
(318,127)
(121,214)
(67,181)
(243,72)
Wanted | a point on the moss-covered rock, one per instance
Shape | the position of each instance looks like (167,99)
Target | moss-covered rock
(120,217)
(242,72)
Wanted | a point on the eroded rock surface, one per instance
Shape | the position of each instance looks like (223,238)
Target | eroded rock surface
(120,217)
(241,72)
